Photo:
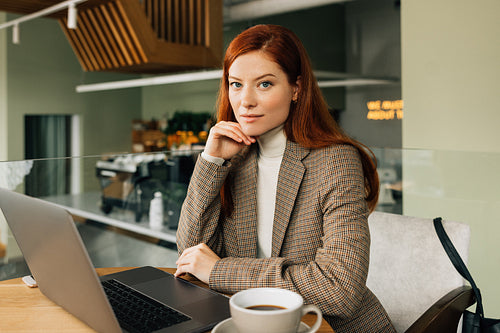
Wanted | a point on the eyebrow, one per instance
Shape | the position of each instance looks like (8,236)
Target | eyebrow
(256,79)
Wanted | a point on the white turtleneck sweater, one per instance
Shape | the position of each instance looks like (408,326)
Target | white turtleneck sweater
(271,148)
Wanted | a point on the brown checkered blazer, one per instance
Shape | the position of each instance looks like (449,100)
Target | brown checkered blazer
(320,244)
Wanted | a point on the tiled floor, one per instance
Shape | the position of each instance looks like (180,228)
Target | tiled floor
(108,249)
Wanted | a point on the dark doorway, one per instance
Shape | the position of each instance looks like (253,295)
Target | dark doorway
(48,141)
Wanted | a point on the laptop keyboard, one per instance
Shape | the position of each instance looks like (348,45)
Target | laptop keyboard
(138,313)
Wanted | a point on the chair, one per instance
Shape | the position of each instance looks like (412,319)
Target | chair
(413,277)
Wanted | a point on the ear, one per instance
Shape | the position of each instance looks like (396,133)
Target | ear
(296,89)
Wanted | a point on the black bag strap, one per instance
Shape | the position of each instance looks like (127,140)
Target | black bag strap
(458,263)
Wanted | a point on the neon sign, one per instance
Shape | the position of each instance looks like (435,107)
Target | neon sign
(385,110)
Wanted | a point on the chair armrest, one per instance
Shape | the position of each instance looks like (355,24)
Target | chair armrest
(444,315)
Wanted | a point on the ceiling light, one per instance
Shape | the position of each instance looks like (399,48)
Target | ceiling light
(151,81)
(71,4)
(72,16)
(15,34)
(332,79)
(355,82)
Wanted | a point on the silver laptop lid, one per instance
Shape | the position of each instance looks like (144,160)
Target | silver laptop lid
(57,258)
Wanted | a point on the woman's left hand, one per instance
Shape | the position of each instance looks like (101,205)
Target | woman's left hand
(198,260)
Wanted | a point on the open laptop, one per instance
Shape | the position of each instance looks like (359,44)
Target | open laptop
(59,262)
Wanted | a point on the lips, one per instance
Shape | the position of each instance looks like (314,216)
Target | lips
(250,117)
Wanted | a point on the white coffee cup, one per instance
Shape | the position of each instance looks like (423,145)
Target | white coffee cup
(283,313)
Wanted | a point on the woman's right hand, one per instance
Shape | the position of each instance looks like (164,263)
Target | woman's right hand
(226,139)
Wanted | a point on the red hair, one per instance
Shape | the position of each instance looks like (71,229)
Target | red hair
(309,122)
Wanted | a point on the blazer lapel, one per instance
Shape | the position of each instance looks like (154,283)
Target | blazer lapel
(245,216)
(290,177)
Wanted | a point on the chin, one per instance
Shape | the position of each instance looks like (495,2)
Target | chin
(254,134)
(248,130)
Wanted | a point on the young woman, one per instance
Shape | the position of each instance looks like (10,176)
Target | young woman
(280,196)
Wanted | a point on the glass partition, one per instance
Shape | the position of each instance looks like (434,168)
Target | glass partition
(109,197)
(389,167)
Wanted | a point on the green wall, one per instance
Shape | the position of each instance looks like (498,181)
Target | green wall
(42,72)
(3,91)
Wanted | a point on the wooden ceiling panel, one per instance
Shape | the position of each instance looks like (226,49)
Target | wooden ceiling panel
(140,36)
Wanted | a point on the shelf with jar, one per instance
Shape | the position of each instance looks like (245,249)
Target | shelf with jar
(186,128)
(147,136)
(181,131)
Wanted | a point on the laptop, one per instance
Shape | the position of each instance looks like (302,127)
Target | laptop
(60,264)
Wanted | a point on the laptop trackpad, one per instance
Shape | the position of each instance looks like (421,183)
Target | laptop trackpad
(180,294)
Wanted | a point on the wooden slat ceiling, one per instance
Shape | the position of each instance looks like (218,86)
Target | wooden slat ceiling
(140,36)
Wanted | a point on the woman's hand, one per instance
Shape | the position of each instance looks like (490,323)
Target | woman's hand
(226,139)
(198,260)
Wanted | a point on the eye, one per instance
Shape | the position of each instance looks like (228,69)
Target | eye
(265,84)
(235,84)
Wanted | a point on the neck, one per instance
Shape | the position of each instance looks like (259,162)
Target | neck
(272,143)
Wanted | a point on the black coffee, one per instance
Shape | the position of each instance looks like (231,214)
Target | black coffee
(265,307)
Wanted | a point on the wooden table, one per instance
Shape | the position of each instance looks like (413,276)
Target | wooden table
(24,309)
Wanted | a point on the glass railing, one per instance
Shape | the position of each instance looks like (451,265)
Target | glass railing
(390,172)
(109,196)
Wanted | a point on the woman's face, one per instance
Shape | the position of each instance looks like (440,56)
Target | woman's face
(259,93)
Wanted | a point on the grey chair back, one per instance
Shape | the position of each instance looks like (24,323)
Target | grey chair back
(409,269)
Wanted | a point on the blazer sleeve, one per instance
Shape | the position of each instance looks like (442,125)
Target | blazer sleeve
(200,212)
(334,276)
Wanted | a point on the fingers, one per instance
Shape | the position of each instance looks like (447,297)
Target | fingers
(179,272)
(226,139)
(193,254)
(232,130)
(198,260)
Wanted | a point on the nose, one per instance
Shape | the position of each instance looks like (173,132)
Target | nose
(248,98)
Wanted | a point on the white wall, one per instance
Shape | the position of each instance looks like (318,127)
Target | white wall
(450,87)
(451,74)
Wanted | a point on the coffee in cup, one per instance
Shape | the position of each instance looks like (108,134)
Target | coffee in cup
(270,310)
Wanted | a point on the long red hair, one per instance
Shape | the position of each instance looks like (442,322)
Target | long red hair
(309,122)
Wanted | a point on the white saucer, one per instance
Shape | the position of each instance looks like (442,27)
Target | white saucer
(227,326)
